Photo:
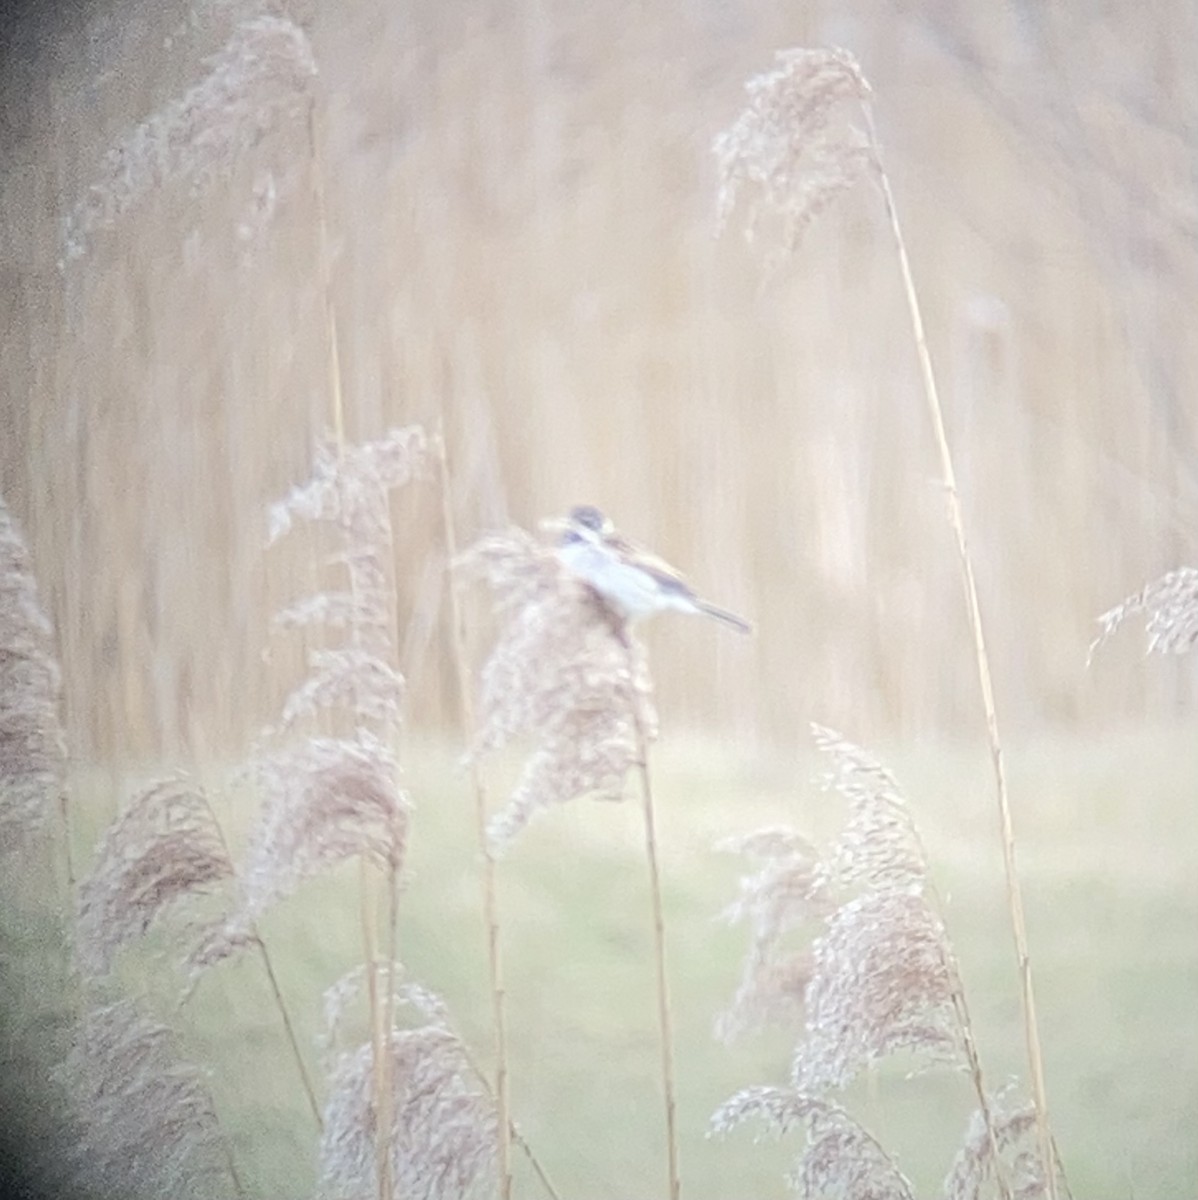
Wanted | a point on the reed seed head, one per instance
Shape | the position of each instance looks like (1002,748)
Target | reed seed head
(843,1159)
(563,672)
(350,487)
(262,78)
(882,981)
(840,1158)
(973,1175)
(443,1135)
(164,849)
(1170,608)
(324,801)
(32,746)
(348,678)
(879,847)
(788,891)
(143,1120)
(793,149)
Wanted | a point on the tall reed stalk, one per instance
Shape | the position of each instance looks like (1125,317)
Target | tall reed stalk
(985,678)
(797,146)
(664,1018)
(490,894)
(380,1011)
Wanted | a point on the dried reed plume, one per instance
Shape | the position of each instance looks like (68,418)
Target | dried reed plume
(878,978)
(144,1122)
(841,1157)
(791,149)
(1008,1131)
(32,746)
(1170,608)
(809,101)
(789,891)
(261,79)
(350,487)
(164,849)
(442,1135)
(334,799)
(163,852)
(324,801)
(563,672)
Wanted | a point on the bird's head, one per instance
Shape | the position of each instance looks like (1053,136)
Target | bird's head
(587,519)
(583,523)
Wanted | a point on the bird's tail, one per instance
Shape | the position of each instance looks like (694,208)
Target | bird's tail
(722,614)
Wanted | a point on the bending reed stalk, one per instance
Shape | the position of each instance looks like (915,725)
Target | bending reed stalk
(276,992)
(659,949)
(490,898)
(985,680)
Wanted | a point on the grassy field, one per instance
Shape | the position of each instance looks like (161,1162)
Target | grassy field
(1107,833)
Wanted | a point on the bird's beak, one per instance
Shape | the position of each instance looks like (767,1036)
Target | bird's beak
(554,524)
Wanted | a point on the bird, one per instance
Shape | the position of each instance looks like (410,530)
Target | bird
(633,582)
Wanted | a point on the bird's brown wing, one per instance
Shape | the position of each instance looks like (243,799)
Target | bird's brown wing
(668,577)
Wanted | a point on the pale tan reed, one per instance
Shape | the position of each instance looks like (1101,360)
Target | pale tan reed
(802,102)
(490,889)
(32,743)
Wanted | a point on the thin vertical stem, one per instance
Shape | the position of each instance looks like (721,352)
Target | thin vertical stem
(64,812)
(490,890)
(325,267)
(985,680)
(665,1024)
(379,1037)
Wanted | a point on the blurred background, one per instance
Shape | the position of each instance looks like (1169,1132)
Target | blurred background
(520,200)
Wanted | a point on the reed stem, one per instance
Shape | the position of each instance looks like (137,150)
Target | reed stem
(985,679)
(665,1023)
(490,896)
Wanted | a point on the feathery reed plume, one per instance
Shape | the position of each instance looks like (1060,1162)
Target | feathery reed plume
(880,974)
(260,80)
(881,982)
(787,892)
(1170,608)
(350,487)
(351,798)
(32,746)
(490,890)
(789,108)
(560,672)
(883,974)
(791,149)
(841,1157)
(324,801)
(144,1120)
(441,1140)
(346,678)
(1005,1135)
(162,850)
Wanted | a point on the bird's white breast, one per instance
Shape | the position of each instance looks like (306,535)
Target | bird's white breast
(627,588)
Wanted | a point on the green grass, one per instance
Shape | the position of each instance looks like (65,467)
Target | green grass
(1108,834)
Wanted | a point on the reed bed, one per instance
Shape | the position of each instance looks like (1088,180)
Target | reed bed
(849,947)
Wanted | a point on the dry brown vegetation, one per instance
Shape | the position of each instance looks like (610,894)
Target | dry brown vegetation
(244,255)
(522,200)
